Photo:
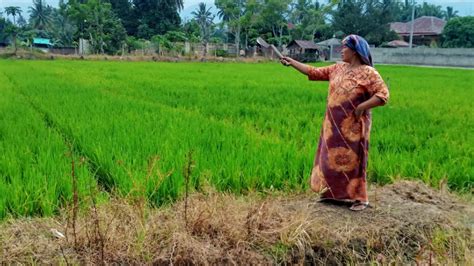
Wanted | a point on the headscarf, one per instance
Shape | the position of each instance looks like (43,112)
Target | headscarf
(360,46)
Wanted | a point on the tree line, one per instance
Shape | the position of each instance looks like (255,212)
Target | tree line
(111,26)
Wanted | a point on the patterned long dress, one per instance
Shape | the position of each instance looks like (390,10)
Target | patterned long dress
(339,169)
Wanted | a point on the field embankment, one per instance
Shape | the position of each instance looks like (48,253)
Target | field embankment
(408,223)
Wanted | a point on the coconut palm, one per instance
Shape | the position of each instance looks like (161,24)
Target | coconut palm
(450,13)
(204,19)
(13,11)
(13,30)
(179,4)
(40,15)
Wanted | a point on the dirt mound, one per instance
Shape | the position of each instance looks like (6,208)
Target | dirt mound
(407,222)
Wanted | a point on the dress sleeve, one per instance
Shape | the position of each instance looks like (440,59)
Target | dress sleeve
(320,73)
(377,87)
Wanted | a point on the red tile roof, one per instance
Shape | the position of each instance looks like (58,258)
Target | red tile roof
(422,26)
(398,43)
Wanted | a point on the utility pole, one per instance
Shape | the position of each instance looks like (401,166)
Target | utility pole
(412,23)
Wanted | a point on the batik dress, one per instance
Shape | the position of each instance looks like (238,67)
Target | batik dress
(339,169)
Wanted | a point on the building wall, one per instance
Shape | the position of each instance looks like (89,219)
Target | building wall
(456,57)
(64,51)
(426,40)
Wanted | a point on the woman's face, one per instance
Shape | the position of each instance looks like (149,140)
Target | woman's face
(347,54)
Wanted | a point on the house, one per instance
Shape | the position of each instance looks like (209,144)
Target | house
(426,30)
(304,51)
(332,49)
(397,44)
(43,44)
(263,48)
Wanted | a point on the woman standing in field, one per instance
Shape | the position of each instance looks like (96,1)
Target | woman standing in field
(339,169)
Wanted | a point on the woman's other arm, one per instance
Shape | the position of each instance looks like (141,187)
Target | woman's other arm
(379,93)
(374,101)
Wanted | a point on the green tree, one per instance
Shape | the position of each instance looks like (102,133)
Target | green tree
(40,15)
(192,30)
(367,18)
(169,41)
(13,11)
(381,13)
(231,13)
(99,24)
(12,29)
(429,10)
(204,18)
(425,9)
(156,16)
(250,19)
(62,26)
(350,17)
(124,10)
(21,21)
(450,13)
(275,15)
(4,25)
(459,32)
(309,19)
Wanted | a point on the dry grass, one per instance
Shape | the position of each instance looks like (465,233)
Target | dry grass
(408,223)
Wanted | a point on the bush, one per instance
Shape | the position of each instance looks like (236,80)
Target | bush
(459,33)
(221,52)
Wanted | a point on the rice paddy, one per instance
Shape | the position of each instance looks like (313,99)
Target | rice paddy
(129,128)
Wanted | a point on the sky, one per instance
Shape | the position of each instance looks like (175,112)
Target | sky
(465,7)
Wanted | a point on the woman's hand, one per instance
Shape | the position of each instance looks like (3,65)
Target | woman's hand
(359,111)
(374,101)
(286,61)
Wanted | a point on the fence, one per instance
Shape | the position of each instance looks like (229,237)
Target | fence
(187,48)
(456,57)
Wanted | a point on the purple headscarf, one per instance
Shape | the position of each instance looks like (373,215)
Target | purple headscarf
(360,46)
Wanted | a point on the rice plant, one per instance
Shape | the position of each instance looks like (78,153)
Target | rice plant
(250,126)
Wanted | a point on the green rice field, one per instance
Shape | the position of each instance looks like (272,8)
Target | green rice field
(129,126)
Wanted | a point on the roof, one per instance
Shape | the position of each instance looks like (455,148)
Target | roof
(41,41)
(303,44)
(398,43)
(329,42)
(425,25)
(262,42)
(290,26)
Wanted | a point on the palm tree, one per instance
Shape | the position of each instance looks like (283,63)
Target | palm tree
(62,28)
(450,13)
(231,13)
(204,18)
(179,4)
(40,15)
(13,11)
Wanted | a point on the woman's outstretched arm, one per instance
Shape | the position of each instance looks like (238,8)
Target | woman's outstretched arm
(288,61)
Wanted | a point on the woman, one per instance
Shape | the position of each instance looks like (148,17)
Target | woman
(339,169)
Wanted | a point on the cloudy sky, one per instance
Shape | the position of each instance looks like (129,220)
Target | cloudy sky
(465,7)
